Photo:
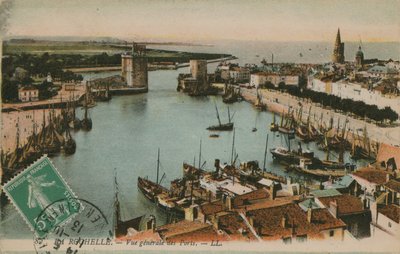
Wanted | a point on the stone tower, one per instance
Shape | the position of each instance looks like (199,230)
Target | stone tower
(134,67)
(198,69)
(359,57)
(338,51)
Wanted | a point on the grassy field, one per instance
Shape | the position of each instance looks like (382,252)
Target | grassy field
(87,48)
(55,47)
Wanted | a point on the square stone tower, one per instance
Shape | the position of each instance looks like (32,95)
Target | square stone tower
(134,67)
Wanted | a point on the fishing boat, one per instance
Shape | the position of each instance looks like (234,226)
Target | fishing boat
(160,195)
(86,123)
(274,126)
(214,136)
(287,125)
(149,188)
(120,224)
(222,126)
(288,156)
(259,104)
(230,95)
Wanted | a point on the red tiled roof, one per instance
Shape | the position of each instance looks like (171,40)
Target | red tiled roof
(391,211)
(213,207)
(268,221)
(372,175)
(346,204)
(232,223)
(258,194)
(393,185)
(324,220)
(200,235)
(182,227)
(386,152)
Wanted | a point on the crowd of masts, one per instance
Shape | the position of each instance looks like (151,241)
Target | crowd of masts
(328,136)
(54,136)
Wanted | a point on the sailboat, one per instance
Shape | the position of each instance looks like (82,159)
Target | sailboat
(69,144)
(230,95)
(149,188)
(222,127)
(274,126)
(259,104)
(121,226)
(86,123)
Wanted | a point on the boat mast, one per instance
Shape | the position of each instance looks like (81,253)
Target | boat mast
(116,203)
(233,146)
(229,116)
(158,164)
(199,156)
(219,120)
(265,153)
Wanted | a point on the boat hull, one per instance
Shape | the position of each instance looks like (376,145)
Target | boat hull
(222,127)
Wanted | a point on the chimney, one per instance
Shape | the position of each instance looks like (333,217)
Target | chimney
(228,203)
(333,208)
(309,214)
(293,229)
(284,221)
(216,165)
(273,191)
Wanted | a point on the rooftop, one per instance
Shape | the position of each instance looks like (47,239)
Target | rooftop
(268,221)
(391,211)
(323,220)
(393,185)
(244,199)
(385,152)
(285,220)
(308,203)
(180,228)
(325,193)
(346,204)
(371,175)
(213,207)
(382,69)
(234,225)
(343,182)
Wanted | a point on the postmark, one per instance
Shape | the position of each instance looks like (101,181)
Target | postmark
(88,228)
(35,193)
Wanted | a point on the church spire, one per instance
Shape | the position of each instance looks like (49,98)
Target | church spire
(338,50)
(338,40)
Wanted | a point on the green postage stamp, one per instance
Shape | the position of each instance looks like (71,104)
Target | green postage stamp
(42,197)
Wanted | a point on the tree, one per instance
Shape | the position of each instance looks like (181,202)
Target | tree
(9,90)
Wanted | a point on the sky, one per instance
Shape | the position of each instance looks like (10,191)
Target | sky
(207,20)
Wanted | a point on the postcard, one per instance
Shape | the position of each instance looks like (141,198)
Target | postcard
(200,126)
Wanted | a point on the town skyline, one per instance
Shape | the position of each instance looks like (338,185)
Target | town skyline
(189,21)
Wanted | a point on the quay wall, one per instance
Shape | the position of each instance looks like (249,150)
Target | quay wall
(280,102)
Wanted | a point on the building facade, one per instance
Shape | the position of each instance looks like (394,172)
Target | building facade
(262,78)
(355,91)
(26,94)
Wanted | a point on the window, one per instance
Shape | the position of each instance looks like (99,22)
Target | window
(331,233)
(389,224)
(301,238)
(287,240)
